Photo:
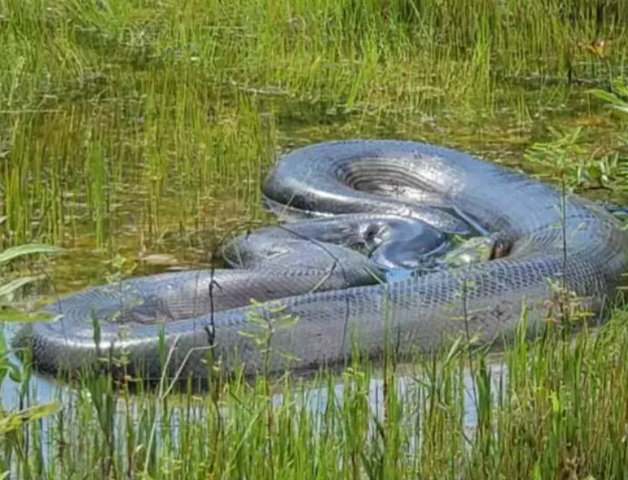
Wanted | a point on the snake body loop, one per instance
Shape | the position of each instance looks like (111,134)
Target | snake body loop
(335,294)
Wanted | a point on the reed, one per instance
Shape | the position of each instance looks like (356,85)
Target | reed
(127,126)
(555,408)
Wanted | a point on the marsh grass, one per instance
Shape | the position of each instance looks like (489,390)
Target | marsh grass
(554,408)
(125,124)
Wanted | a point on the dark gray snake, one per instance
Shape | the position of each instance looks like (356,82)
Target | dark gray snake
(373,195)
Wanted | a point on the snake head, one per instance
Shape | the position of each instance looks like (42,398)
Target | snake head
(500,249)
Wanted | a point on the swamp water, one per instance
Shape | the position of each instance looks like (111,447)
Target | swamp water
(136,135)
(171,215)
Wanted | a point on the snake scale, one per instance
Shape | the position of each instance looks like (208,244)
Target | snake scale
(338,299)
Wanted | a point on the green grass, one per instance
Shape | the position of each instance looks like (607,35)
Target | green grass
(127,126)
(554,408)
(133,127)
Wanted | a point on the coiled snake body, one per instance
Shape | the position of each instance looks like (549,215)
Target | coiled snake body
(335,295)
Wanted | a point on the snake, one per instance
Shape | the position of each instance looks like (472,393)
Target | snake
(314,291)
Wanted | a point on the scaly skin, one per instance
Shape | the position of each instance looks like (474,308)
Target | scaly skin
(362,176)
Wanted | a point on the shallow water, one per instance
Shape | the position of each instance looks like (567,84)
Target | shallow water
(502,137)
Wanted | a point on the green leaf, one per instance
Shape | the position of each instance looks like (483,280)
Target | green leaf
(29,249)
(15,420)
(606,96)
(621,108)
(15,373)
(10,368)
(16,284)
(12,315)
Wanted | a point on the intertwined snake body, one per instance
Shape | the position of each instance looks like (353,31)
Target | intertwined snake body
(336,298)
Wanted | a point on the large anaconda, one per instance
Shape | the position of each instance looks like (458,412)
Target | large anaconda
(366,182)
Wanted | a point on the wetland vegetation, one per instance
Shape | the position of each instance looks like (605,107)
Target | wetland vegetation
(135,134)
